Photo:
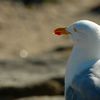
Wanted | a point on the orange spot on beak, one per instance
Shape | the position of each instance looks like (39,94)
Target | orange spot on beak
(61,31)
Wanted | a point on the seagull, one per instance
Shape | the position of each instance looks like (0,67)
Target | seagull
(82,77)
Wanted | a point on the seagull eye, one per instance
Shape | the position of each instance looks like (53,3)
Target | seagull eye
(75,30)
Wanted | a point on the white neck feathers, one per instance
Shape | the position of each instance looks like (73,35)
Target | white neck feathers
(79,60)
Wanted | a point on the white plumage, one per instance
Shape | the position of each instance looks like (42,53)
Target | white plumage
(82,78)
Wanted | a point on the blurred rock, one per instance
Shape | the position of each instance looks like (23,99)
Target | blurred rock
(43,75)
(30,2)
(44,98)
(50,88)
(95,9)
(62,48)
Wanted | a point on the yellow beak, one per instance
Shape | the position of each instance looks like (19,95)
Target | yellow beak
(61,31)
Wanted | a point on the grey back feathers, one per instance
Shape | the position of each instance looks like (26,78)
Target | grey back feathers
(86,85)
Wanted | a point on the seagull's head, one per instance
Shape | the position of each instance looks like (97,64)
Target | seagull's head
(82,31)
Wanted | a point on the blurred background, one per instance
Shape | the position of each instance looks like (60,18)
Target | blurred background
(32,58)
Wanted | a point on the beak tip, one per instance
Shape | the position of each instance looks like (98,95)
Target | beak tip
(57,32)
(61,31)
